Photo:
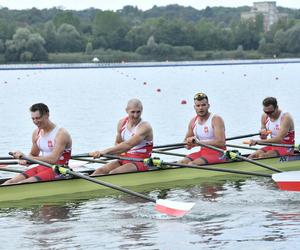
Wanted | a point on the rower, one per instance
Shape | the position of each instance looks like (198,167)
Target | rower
(50,144)
(207,128)
(134,140)
(281,124)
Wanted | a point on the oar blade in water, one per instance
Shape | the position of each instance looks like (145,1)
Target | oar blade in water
(173,208)
(288,181)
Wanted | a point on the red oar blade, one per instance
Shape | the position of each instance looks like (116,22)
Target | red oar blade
(173,208)
(289,181)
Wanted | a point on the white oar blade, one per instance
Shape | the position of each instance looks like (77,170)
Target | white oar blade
(289,181)
(173,208)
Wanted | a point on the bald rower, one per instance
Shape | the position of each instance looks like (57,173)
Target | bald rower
(134,140)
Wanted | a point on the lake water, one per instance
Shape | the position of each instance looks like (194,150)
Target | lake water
(88,102)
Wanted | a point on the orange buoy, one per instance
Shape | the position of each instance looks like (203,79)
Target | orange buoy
(183,101)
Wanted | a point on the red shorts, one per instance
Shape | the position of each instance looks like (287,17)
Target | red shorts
(140,166)
(281,151)
(210,156)
(41,173)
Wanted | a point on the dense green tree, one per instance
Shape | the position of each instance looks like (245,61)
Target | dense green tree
(67,17)
(26,46)
(69,39)
(50,36)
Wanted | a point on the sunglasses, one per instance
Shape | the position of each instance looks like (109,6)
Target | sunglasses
(269,112)
(200,96)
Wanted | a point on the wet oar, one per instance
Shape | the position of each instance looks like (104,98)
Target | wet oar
(289,181)
(234,155)
(173,208)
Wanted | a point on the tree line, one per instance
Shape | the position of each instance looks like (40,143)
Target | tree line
(172,31)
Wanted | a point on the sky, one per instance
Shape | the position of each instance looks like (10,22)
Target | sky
(141,4)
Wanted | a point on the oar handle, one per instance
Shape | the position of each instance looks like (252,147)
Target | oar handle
(9,163)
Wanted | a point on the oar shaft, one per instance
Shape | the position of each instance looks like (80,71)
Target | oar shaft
(7,158)
(68,171)
(238,146)
(170,145)
(11,170)
(9,163)
(90,160)
(167,153)
(275,144)
(241,136)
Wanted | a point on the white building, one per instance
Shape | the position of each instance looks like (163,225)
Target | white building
(268,10)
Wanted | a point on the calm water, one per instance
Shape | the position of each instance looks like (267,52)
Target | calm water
(89,102)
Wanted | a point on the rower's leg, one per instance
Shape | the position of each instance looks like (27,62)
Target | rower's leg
(106,168)
(199,161)
(16,179)
(185,160)
(128,167)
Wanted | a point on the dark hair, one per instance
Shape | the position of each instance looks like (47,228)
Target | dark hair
(41,107)
(270,101)
(200,96)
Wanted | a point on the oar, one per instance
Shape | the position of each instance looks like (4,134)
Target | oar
(248,135)
(274,144)
(238,146)
(169,207)
(234,155)
(180,145)
(7,158)
(167,153)
(11,170)
(89,160)
(5,163)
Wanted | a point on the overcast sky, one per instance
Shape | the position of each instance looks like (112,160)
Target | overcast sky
(141,4)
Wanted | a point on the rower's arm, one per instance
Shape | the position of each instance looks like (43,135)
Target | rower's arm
(143,131)
(35,151)
(285,127)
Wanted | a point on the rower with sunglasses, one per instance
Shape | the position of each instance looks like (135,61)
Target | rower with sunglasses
(281,125)
(209,129)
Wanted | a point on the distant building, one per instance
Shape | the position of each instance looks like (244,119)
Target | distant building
(268,10)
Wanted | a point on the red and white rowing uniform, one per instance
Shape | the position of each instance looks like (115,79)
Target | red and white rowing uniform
(274,127)
(205,132)
(46,144)
(141,151)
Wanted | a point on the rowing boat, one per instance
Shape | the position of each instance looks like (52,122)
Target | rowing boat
(77,188)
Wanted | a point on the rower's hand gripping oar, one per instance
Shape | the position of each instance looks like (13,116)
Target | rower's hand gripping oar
(169,207)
